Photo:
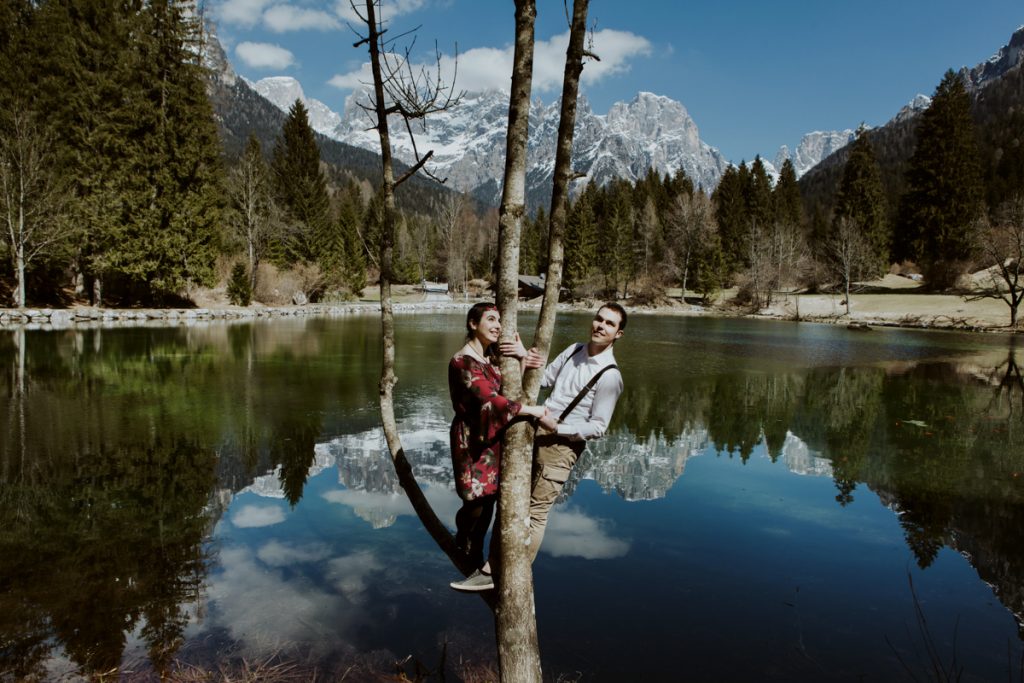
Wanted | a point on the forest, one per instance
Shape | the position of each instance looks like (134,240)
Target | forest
(119,187)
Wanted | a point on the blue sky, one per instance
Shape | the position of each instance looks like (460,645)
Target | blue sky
(753,75)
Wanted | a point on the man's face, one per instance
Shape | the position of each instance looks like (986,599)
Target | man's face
(604,329)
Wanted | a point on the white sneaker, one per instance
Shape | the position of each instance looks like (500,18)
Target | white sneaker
(474,583)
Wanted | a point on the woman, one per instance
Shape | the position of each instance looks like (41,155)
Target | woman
(481,415)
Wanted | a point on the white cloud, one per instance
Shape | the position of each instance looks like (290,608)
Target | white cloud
(489,68)
(283,18)
(389,11)
(264,56)
(245,13)
(262,610)
(616,50)
(571,533)
(255,516)
(349,574)
(353,80)
(278,554)
(376,505)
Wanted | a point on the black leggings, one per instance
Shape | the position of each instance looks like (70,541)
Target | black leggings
(471,522)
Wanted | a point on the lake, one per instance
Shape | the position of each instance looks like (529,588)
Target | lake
(774,501)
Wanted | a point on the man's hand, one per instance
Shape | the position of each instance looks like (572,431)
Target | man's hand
(513,348)
(533,359)
(549,422)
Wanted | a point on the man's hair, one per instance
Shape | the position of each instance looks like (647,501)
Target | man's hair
(618,309)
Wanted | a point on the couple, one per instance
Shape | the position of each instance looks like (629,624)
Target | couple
(585,384)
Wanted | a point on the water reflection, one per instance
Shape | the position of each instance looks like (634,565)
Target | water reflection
(226,491)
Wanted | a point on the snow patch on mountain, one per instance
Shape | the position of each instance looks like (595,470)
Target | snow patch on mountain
(282,91)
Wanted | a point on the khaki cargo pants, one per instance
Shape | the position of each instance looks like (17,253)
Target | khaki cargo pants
(553,458)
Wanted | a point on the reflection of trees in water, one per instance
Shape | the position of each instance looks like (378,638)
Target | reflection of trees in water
(97,542)
(110,455)
(942,443)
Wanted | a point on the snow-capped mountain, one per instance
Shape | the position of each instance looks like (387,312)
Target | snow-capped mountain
(813,148)
(468,140)
(282,91)
(913,108)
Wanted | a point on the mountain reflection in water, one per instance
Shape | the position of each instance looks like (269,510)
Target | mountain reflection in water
(215,495)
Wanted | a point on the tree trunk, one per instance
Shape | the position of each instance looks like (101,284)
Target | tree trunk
(388,379)
(560,191)
(20,268)
(847,279)
(514,618)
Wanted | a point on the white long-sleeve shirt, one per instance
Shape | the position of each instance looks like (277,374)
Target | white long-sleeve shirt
(566,375)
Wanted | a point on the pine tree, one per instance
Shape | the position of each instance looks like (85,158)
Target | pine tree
(82,56)
(731,216)
(181,234)
(787,204)
(350,216)
(533,244)
(944,193)
(861,200)
(300,189)
(580,240)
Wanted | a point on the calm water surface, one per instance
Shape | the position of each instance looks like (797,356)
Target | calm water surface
(773,502)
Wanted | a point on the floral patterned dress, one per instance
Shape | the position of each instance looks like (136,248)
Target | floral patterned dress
(481,414)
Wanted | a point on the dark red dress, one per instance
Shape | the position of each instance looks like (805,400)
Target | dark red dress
(481,413)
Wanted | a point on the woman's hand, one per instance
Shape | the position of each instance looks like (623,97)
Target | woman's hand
(513,348)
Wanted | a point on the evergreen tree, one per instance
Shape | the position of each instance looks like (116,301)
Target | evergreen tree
(350,216)
(300,189)
(615,239)
(944,194)
(861,200)
(83,59)
(758,196)
(786,202)
(534,242)
(580,240)
(180,232)
(731,216)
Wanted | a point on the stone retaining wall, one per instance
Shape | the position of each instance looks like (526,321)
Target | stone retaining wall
(79,318)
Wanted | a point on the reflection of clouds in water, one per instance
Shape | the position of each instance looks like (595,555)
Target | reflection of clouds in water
(382,509)
(349,574)
(277,554)
(256,516)
(570,533)
(261,608)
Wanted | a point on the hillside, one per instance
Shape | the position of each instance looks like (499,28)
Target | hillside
(997,93)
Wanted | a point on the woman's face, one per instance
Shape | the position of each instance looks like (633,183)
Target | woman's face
(489,328)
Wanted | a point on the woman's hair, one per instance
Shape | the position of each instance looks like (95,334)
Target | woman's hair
(475,315)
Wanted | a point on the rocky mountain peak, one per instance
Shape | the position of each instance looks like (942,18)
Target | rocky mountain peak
(1008,57)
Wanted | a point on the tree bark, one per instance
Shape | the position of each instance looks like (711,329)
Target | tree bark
(560,191)
(514,618)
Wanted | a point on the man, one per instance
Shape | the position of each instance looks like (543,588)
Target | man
(585,384)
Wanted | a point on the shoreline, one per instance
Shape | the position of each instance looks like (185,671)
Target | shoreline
(800,308)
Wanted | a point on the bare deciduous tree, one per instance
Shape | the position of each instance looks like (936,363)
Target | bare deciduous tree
(1002,249)
(33,196)
(454,239)
(691,223)
(395,95)
(848,253)
(254,214)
